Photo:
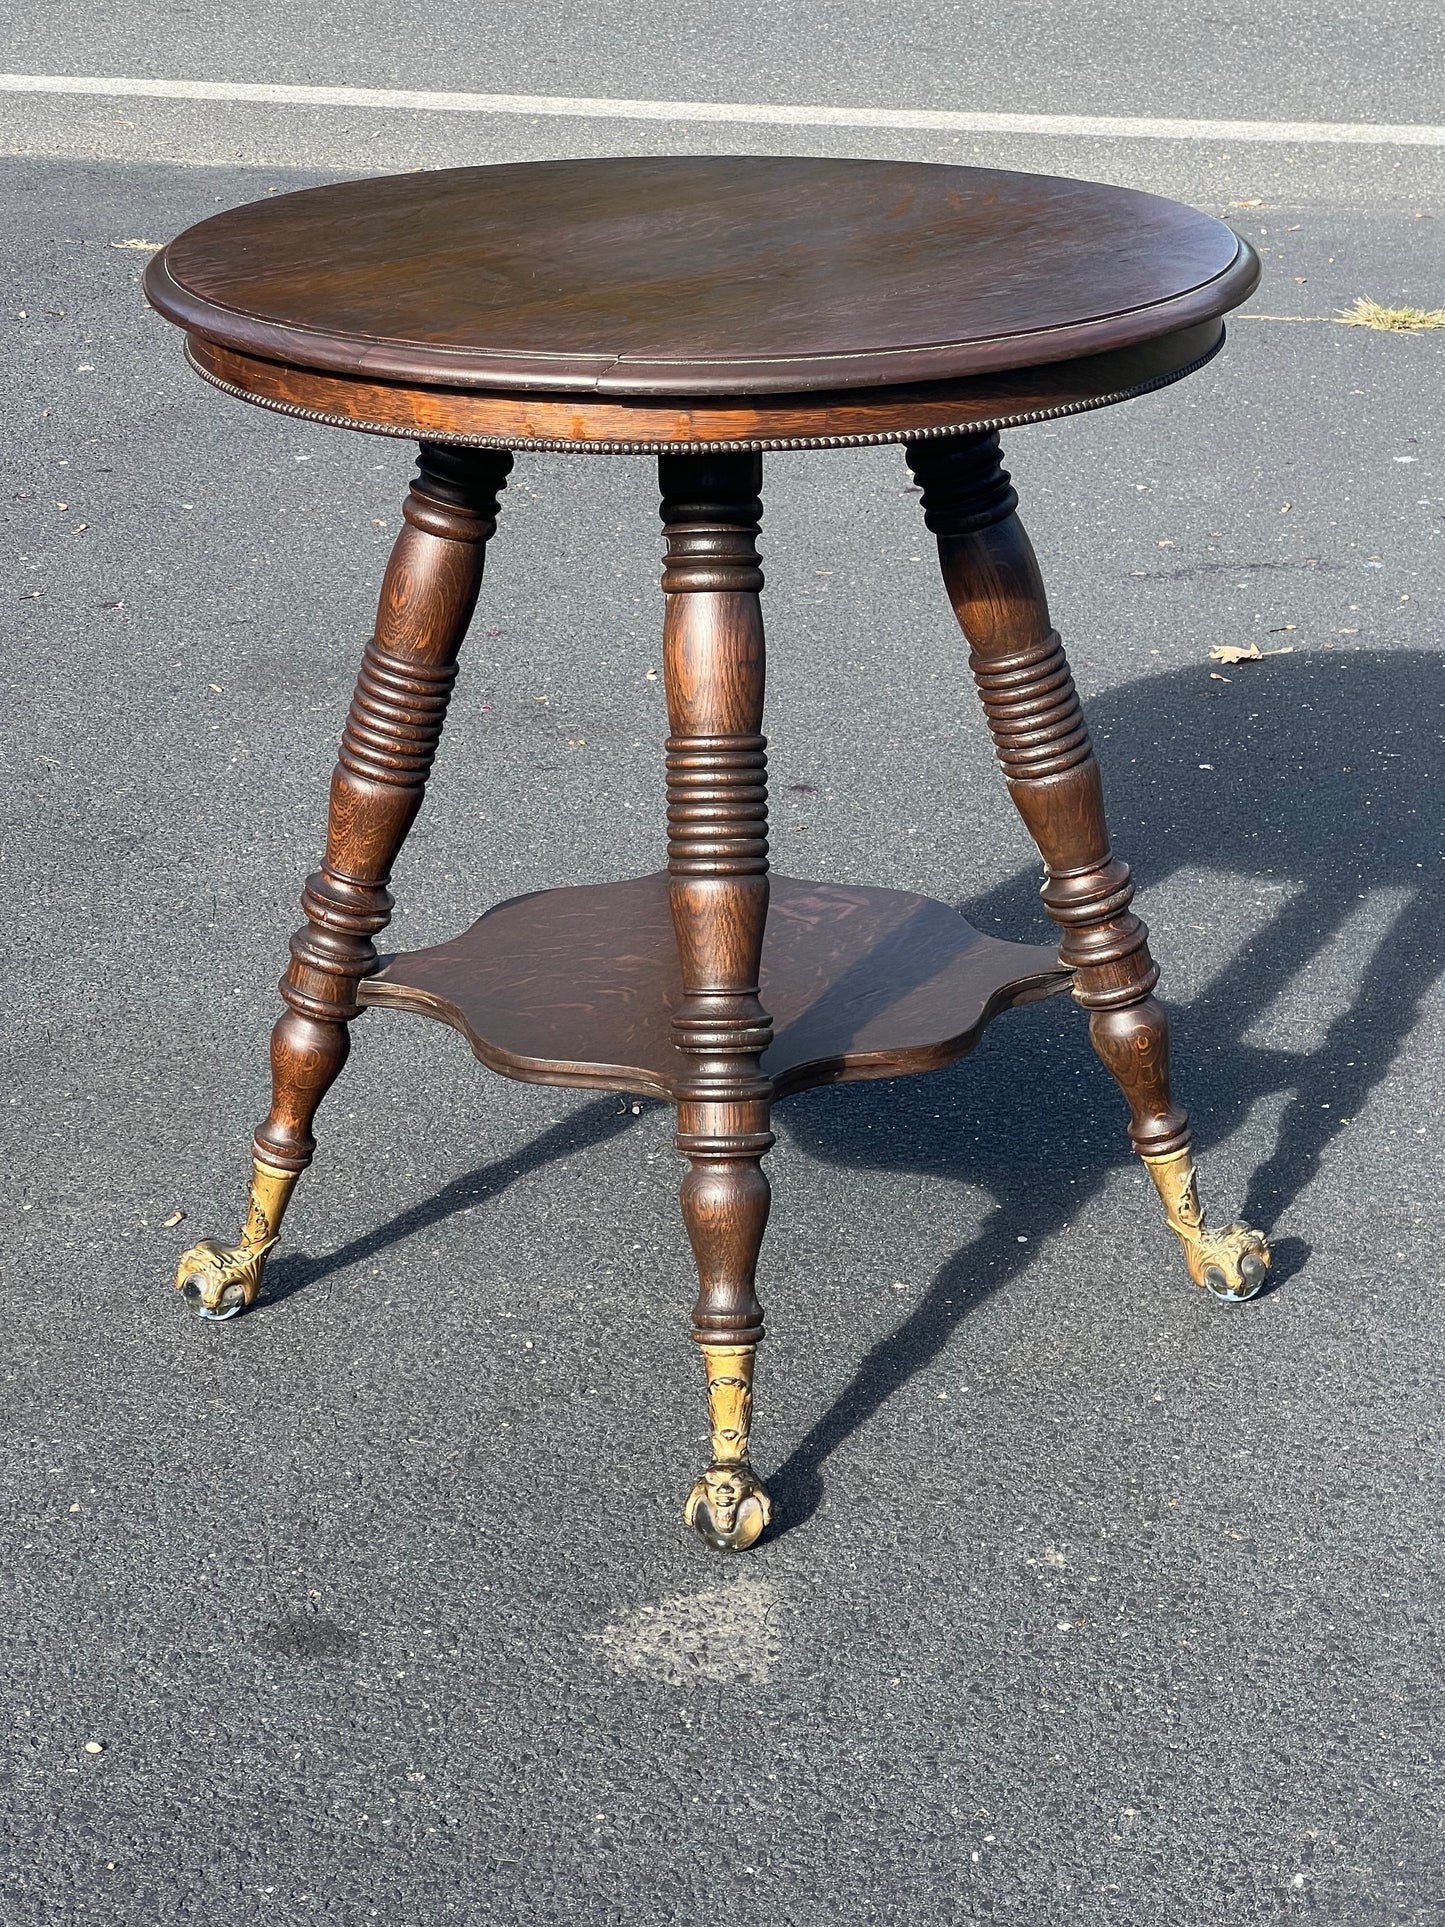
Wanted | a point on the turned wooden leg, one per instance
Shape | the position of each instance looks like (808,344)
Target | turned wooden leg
(1043,746)
(717,857)
(391,736)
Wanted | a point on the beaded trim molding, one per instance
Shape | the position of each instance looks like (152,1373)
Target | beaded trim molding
(544,445)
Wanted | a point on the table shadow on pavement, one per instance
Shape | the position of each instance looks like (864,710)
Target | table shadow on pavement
(1312,771)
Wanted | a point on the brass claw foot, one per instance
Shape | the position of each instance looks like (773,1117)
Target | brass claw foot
(1231,1262)
(218,1280)
(728,1506)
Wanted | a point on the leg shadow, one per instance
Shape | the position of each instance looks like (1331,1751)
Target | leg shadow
(1334,718)
(592,1125)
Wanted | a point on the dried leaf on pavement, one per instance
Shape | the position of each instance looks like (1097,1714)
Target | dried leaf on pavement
(1248,652)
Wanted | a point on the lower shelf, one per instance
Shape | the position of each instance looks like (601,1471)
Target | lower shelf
(578,986)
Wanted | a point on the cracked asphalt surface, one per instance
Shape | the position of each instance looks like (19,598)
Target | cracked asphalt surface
(1091,1601)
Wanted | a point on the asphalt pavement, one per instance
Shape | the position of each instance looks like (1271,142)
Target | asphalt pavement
(1090,1601)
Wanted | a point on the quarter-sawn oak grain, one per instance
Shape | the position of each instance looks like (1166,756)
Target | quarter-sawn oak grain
(586,424)
(709,275)
(577,987)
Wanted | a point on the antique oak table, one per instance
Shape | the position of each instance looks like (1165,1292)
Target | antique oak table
(705,311)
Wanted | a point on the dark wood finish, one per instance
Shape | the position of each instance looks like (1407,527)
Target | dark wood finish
(580,424)
(427,597)
(704,309)
(1043,747)
(577,987)
(704,275)
(717,864)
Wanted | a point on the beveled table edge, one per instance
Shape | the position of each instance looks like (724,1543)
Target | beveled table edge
(427,364)
(923,413)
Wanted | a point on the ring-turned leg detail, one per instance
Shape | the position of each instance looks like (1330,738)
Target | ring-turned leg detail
(717,860)
(1043,747)
(392,731)
(219,1280)
(728,1506)
(1231,1262)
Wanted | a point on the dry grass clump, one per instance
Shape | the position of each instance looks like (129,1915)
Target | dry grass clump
(1365,313)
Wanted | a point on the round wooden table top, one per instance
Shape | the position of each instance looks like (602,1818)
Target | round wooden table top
(721,281)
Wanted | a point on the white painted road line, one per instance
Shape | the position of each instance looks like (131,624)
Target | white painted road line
(742,113)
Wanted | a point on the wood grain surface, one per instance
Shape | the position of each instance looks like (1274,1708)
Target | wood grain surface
(643,424)
(702,275)
(392,730)
(713,670)
(578,986)
(1043,746)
